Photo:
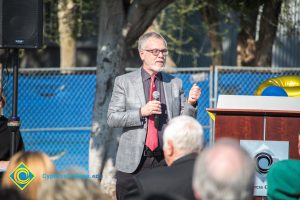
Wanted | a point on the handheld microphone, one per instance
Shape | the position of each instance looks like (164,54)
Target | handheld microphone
(156,95)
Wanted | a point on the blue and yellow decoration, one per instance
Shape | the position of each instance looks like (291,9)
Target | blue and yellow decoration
(22,176)
(280,86)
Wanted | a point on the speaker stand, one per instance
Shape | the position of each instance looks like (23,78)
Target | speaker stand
(14,121)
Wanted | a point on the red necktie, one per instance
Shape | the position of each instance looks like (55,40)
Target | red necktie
(152,137)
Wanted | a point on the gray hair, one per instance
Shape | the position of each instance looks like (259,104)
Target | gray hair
(224,171)
(71,185)
(186,134)
(148,35)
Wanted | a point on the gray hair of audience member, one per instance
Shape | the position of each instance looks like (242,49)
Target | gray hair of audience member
(69,186)
(224,171)
(148,35)
(186,134)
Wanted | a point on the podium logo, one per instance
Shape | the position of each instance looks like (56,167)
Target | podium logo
(22,176)
(264,161)
(265,158)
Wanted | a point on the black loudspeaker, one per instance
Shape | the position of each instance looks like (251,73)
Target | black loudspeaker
(21,23)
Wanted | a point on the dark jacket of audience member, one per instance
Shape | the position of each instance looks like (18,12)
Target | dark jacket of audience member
(176,179)
(11,194)
(183,138)
(5,140)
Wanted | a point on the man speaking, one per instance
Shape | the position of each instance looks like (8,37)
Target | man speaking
(134,108)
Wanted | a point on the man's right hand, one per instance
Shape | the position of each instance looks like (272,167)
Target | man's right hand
(152,107)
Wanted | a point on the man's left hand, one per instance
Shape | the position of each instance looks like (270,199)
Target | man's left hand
(194,94)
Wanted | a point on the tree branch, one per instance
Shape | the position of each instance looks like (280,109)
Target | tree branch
(267,32)
(140,16)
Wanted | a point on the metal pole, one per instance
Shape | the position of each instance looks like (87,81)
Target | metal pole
(13,122)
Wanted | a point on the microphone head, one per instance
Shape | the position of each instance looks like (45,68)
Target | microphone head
(155,95)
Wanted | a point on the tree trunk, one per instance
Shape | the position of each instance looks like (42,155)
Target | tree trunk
(249,51)
(66,21)
(103,142)
(246,37)
(267,32)
(120,25)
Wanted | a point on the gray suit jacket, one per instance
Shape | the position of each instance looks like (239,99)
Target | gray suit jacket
(123,112)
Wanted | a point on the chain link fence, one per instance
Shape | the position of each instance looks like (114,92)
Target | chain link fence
(56,108)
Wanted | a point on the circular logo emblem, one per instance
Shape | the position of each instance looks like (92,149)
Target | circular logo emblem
(264,162)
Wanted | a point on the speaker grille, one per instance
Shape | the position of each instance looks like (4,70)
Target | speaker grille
(22,23)
(1,21)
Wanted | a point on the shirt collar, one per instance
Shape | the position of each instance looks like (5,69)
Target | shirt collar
(146,76)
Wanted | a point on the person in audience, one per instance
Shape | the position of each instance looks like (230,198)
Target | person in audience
(182,140)
(5,138)
(284,179)
(37,163)
(224,171)
(163,197)
(71,187)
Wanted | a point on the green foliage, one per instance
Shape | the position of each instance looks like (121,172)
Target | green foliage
(50,21)
(186,32)
(87,18)
(179,24)
(86,13)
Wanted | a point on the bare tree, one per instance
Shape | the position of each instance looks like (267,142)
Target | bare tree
(120,25)
(67,20)
(210,17)
(259,19)
(267,32)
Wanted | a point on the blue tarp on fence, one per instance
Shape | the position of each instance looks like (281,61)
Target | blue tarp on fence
(66,101)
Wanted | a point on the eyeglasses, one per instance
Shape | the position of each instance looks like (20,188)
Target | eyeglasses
(156,52)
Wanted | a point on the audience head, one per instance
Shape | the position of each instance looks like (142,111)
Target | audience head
(224,171)
(183,135)
(38,163)
(71,188)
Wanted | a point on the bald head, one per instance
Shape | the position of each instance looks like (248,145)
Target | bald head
(224,171)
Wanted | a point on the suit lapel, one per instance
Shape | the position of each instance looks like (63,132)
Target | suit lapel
(168,93)
(138,85)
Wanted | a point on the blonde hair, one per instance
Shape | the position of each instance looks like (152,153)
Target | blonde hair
(37,162)
(71,187)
